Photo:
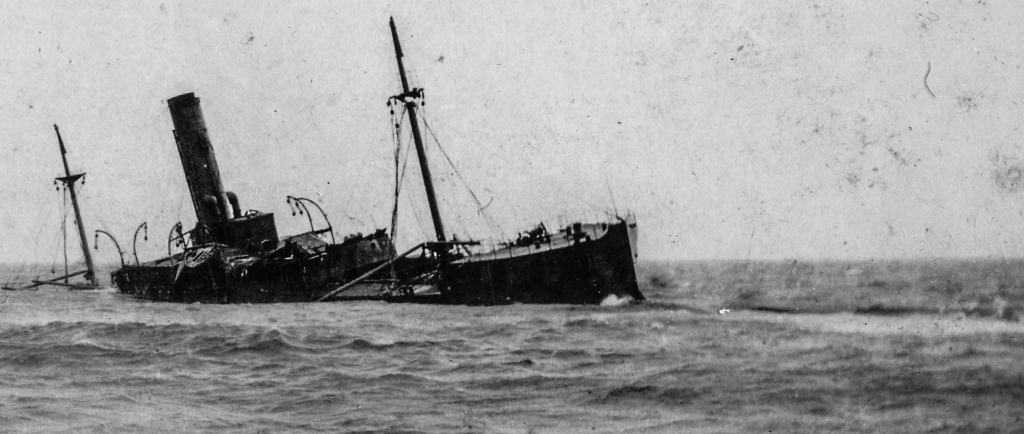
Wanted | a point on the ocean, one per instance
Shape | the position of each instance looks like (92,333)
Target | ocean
(931,346)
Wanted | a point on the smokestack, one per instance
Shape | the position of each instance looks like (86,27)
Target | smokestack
(199,162)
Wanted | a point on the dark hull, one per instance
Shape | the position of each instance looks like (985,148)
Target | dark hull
(213,283)
(295,278)
(580,271)
(585,269)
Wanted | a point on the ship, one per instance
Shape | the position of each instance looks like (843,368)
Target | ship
(69,181)
(229,257)
(580,263)
(235,257)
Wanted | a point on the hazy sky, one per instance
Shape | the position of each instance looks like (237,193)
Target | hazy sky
(732,130)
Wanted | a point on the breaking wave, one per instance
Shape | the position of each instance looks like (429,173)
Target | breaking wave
(613,300)
(717,346)
(985,289)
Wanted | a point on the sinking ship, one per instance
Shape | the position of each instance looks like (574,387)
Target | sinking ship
(69,181)
(581,263)
(230,257)
(235,257)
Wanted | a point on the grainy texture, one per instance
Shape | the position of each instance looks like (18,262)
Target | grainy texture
(733,130)
(98,362)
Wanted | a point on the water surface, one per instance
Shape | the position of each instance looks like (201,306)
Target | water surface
(719,347)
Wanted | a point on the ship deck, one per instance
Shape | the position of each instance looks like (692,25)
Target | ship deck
(556,241)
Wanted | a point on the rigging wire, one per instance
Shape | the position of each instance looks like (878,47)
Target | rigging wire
(480,206)
(548,180)
(416,216)
(452,190)
(405,167)
(356,186)
(401,170)
(35,266)
(56,246)
(64,230)
(62,212)
(442,181)
(396,139)
(397,144)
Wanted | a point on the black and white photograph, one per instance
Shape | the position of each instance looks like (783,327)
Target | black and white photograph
(445,216)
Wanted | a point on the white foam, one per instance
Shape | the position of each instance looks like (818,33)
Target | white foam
(613,300)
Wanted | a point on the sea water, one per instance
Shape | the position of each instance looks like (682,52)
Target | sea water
(926,346)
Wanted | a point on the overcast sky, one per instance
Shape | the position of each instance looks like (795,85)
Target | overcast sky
(732,130)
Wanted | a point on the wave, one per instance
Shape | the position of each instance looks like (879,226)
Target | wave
(136,342)
(266,343)
(613,300)
(364,345)
(131,366)
(990,308)
(560,353)
(670,396)
(587,323)
(531,382)
(985,289)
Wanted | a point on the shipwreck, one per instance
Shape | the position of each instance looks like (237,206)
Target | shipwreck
(235,257)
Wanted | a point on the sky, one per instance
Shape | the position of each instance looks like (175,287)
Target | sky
(731,130)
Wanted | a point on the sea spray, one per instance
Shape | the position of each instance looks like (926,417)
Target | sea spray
(613,300)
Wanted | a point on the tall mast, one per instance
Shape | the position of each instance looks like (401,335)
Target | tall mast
(409,98)
(69,180)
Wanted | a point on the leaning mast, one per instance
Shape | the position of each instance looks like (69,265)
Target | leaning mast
(409,98)
(69,180)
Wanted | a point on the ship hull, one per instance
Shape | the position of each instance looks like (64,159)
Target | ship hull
(585,270)
(268,280)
